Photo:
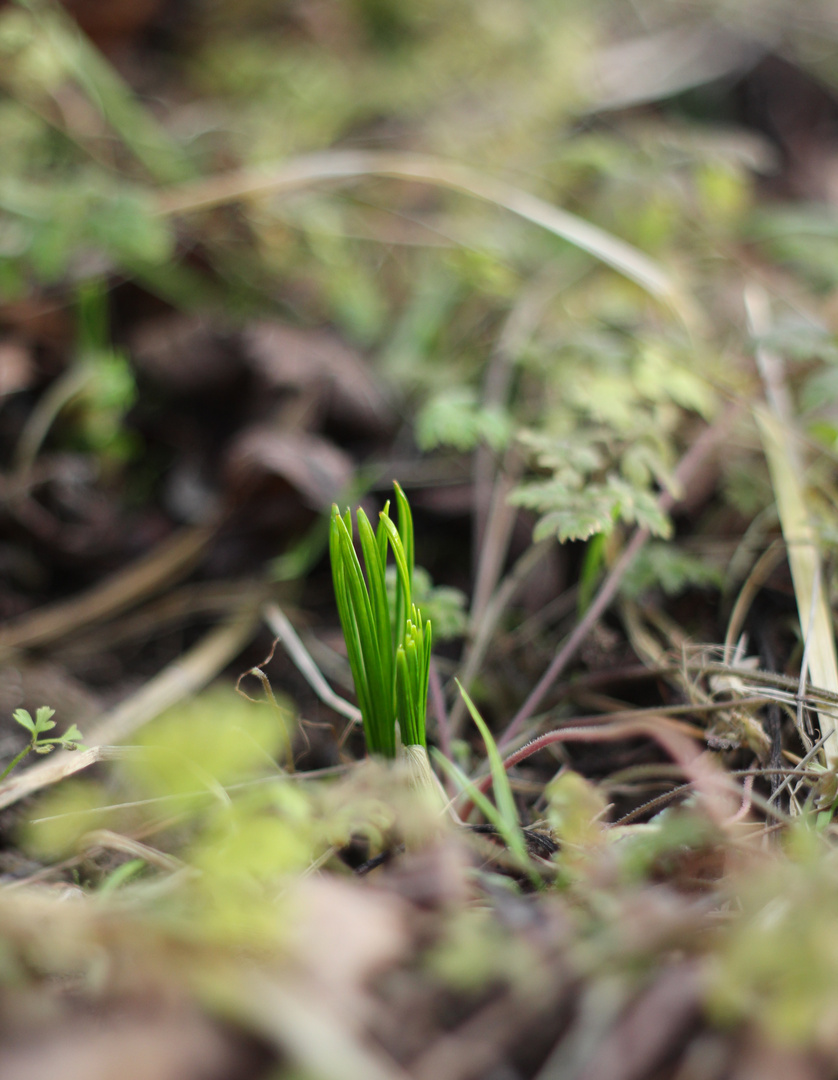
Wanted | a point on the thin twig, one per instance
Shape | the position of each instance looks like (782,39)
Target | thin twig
(280,625)
(800,765)
(669,734)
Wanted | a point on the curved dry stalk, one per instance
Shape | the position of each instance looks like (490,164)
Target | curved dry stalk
(761,571)
(325,167)
(171,559)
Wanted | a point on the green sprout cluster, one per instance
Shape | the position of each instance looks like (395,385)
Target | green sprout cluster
(388,647)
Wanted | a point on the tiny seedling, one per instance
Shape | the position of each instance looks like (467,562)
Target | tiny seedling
(389,649)
(37,728)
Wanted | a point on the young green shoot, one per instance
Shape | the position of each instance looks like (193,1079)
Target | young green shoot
(37,728)
(389,650)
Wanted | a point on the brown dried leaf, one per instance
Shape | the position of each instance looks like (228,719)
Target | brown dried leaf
(314,467)
(16,369)
(291,358)
(185,353)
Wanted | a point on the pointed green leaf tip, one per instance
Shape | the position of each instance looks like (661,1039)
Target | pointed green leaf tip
(389,651)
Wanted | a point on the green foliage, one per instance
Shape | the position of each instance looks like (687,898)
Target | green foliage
(671,833)
(62,816)
(805,237)
(454,418)
(389,649)
(108,388)
(49,231)
(241,852)
(577,505)
(575,810)
(202,745)
(672,569)
(473,953)
(38,740)
(506,817)
(604,438)
(776,964)
(42,52)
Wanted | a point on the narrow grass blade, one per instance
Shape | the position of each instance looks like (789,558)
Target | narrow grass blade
(347,619)
(353,645)
(404,698)
(373,688)
(504,798)
(406,533)
(404,574)
(381,534)
(378,599)
(804,561)
(426,661)
(513,838)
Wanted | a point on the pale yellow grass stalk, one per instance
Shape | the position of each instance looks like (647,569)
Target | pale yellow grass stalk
(779,438)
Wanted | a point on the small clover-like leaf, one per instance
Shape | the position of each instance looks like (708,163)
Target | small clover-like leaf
(71,737)
(42,719)
(24,719)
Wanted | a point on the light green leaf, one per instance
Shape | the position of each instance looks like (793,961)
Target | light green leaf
(24,719)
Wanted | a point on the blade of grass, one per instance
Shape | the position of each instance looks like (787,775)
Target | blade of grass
(514,839)
(377,589)
(427,644)
(404,573)
(348,622)
(804,562)
(404,697)
(406,533)
(504,798)
(413,673)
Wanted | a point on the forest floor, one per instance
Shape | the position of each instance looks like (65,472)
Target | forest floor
(568,275)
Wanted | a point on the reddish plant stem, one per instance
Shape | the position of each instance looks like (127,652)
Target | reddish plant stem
(699,769)
(686,471)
